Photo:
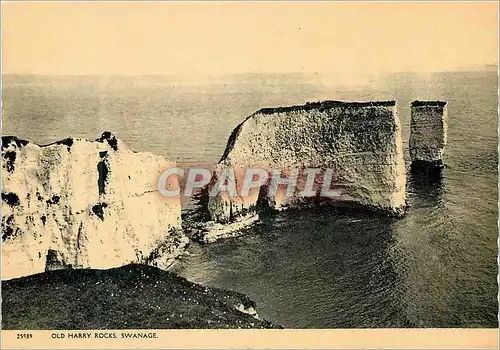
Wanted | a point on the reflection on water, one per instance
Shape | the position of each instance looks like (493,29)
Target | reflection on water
(425,180)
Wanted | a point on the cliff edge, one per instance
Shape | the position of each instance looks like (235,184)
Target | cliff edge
(84,204)
(128,297)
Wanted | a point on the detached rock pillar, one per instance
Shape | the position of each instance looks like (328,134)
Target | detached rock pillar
(428,133)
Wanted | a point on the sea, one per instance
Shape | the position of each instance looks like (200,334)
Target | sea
(316,268)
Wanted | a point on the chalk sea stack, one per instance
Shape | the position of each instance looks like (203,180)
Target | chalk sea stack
(360,141)
(84,204)
(428,133)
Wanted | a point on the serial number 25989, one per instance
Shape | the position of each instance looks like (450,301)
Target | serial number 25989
(24,335)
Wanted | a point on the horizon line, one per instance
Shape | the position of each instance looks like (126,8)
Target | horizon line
(473,67)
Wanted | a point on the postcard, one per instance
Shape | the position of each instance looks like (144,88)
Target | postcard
(254,174)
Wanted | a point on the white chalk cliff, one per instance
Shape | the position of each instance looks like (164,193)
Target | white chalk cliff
(84,204)
(361,141)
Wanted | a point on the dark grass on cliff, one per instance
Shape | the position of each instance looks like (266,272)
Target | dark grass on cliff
(106,136)
(129,297)
(324,105)
(418,103)
(7,140)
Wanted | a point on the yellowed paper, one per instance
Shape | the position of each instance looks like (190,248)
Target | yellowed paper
(109,108)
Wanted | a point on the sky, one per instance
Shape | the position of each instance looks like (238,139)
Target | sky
(129,38)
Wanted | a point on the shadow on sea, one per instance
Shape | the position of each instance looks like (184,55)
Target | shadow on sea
(313,268)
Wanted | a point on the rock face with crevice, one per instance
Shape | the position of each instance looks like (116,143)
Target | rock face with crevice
(360,141)
(428,132)
(84,204)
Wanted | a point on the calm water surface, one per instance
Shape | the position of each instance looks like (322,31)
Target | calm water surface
(435,267)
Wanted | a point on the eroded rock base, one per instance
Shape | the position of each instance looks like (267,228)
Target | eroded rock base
(212,231)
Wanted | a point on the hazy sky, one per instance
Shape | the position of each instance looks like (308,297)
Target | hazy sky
(217,38)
